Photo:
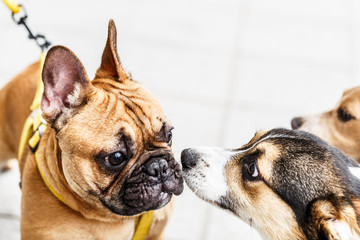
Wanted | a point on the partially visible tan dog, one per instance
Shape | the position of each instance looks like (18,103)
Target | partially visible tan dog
(339,126)
(106,150)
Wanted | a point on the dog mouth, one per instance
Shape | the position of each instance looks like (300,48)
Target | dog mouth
(149,187)
(152,191)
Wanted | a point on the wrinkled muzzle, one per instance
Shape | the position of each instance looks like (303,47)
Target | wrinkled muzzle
(149,187)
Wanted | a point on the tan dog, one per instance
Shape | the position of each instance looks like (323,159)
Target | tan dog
(106,150)
(289,185)
(339,126)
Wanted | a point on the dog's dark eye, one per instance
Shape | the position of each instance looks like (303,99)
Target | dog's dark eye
(115,159)
(252,170)
(169,138)
(344,116)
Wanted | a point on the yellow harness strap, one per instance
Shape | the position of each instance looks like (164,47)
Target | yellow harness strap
(143,225)
(14,7)
(34,120)
(29,126)
(34,128)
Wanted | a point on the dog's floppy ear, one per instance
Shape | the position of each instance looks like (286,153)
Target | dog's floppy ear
(110,63)
(65,83)
(334,222)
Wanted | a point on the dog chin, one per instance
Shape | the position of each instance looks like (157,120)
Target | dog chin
(198,185)
(207,179)
(146,198)
(136,204)
(211,197)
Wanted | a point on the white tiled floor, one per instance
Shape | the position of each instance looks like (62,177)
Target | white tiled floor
(222,69)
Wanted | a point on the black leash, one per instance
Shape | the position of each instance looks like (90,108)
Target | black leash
(40,39)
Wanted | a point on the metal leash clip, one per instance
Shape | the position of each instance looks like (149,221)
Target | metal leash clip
(40,39)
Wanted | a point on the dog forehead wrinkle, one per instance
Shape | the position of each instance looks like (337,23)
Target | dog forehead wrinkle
(138,115)
(126,138)
(121,111)
(137,102)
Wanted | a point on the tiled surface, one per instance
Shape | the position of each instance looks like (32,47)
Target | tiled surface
(222,69)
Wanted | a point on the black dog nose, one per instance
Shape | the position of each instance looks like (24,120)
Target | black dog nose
(188,158)
(297,122)
(157,167)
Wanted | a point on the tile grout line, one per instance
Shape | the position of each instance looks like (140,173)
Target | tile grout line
(234,57)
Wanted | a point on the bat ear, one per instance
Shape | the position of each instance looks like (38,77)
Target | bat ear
(110,66)
(66,84)
(334,223)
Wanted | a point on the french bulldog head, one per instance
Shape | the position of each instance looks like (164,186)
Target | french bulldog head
(114,139)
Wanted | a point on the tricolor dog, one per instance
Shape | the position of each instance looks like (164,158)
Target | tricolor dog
(339,126)
(289,185)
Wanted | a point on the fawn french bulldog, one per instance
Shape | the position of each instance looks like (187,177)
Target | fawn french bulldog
(106,150)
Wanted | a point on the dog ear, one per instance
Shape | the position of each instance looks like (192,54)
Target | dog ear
(334,223)
(110,63)
(66,83)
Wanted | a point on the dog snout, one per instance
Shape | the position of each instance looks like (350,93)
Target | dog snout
(188,158)
(297,122)
(157,167)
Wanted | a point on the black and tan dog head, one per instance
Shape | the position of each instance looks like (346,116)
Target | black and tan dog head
(287,184)
(114,138)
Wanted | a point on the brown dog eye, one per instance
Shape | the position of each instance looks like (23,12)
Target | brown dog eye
(344,116)
(252,170)
(115,159)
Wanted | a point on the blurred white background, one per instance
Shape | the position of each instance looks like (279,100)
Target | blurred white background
(222,69)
